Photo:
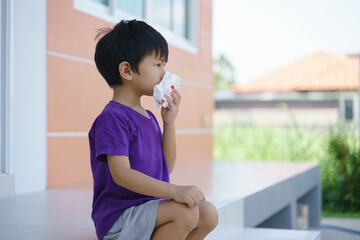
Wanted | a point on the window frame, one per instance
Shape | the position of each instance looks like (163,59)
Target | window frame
(354,97)
(351,100)
(2,84)
(6,88)
(112,14)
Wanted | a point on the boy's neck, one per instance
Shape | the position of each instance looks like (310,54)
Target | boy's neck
(126,97)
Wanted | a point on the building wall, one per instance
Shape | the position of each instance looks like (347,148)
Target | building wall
(323,113)
(304,117)
(76,92)
(307,108)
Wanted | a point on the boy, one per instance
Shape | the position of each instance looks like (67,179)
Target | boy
(130,158)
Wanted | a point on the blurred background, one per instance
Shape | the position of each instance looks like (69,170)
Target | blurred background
(287,79)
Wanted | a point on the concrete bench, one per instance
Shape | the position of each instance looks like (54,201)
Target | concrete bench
(257,194)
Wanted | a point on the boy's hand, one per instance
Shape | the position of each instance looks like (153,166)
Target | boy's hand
(169,114)
(191,195)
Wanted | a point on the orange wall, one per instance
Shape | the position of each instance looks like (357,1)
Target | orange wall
(77,93)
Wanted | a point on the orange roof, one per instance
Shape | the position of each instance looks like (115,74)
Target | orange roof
(321,71)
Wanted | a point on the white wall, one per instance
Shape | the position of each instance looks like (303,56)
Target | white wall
(27,152)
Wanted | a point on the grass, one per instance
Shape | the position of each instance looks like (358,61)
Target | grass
(326,213)
(248,142)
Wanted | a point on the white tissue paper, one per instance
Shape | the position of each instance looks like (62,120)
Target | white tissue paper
(169,83)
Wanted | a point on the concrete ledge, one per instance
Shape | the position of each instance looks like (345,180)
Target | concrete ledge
(7,185)
(256,194)
(271,234)
(283,198)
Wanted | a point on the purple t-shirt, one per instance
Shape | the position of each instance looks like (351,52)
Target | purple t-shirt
(120,130)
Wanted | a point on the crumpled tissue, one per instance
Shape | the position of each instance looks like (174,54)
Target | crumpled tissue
(169,83)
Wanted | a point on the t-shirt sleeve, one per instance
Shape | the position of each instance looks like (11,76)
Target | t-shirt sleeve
(112,136)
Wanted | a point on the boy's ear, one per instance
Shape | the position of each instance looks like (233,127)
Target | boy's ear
(125,71)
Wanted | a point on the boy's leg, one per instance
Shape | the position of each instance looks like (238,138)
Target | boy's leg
(174,220)
(208,219)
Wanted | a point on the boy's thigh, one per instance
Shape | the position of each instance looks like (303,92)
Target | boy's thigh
(169,210)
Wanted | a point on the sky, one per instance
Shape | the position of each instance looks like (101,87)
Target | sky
(260,36)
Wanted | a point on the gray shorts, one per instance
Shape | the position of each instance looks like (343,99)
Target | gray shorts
(136,223)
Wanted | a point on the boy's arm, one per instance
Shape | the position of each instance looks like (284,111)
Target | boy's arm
(169,146)
(138,182)
(169,115)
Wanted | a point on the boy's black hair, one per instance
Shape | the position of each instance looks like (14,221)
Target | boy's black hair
(130,41)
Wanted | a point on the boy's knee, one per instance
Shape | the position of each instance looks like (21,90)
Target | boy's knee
(188,217)
(209,216)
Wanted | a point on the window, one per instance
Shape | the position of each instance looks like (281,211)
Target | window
(349,109)
(175,19)
(171,14)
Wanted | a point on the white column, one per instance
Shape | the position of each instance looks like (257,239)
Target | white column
(27,151)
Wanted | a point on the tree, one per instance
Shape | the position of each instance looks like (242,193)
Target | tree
(224,73)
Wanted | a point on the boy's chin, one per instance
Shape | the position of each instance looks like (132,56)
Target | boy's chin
(150,94)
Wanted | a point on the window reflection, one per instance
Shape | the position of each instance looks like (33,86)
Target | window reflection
(104,2)
(161,13)
(180,10)
(134,7)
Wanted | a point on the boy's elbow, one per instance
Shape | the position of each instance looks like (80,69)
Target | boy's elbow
(122,178)
(119,181)
(171,168)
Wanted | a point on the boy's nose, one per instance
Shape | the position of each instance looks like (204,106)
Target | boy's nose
(163,74)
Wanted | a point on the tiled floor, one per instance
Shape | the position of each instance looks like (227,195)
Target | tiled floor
(53,214)
(331,234)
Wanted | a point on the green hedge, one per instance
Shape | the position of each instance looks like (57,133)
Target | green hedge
(336,149)
(341,172)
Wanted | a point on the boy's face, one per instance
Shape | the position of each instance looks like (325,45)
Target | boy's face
(151,71)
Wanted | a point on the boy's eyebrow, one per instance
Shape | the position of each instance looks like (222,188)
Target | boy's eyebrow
(160,59)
